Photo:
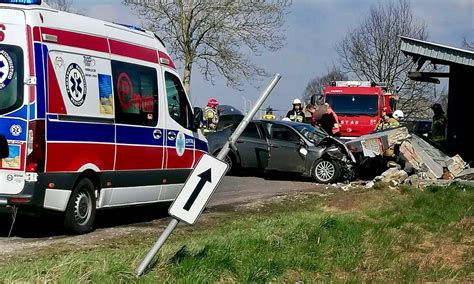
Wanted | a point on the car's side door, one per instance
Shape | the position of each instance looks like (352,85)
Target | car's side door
(252,148)
(284,149)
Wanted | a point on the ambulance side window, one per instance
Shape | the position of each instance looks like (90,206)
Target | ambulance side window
(178,105)
(135,94)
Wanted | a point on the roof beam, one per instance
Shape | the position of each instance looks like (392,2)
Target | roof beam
(425,77)
(429,74)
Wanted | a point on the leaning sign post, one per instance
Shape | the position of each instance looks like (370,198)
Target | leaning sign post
(202,183)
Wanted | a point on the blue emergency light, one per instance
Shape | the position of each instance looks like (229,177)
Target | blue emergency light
(22,2)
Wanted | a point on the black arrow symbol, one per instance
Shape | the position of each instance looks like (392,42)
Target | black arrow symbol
(205,177)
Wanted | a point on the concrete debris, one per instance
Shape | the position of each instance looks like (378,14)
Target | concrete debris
(394,176)
(420,159)
(433,159)
(456,165)
(346,187)
(370,185)
(467,174)
(413,180)
(375,144)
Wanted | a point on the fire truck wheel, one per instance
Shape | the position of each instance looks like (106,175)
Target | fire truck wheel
(80,212)
(326,171)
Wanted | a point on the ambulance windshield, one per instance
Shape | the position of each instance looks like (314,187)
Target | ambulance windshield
(11,74)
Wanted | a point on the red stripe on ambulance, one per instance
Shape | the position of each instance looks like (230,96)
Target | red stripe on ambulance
(133,51)
(139,158)
(78,40)
(71,157)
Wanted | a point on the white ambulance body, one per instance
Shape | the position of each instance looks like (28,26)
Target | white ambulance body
(92,115)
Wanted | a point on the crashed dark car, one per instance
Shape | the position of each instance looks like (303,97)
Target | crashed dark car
(286,146)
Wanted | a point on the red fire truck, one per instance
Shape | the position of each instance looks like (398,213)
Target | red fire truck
(358,104)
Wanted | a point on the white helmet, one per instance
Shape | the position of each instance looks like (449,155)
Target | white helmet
(286,119)
(398,114)
(296,102)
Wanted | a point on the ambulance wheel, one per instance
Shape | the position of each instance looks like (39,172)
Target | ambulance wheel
(326,171)
(80,212)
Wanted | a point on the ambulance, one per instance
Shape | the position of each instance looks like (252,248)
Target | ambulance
(93,115)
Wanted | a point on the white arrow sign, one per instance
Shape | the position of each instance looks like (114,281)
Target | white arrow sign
(198,189)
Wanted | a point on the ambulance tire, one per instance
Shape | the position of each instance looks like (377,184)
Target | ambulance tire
(81,209)
(326,171)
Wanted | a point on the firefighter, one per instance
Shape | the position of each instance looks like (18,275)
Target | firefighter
(438,127)
(269,114)
(387,122)
(296,113)
(211,115)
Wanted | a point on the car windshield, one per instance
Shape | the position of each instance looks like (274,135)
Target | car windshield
(315,135)
(11,86)
(353,104)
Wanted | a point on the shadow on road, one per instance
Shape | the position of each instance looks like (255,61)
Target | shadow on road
(270,175)
(50,224)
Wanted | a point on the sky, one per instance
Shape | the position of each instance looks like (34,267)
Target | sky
(313,27)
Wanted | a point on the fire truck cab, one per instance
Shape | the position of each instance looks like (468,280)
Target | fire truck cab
(358,104)
(92,115)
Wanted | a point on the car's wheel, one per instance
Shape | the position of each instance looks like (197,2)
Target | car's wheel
(230,160)
(80,212)
(326,171)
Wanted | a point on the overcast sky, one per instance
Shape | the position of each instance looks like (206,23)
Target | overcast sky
(313,29)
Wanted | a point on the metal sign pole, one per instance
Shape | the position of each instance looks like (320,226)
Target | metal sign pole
(156,247)
(233,138)
(243,124)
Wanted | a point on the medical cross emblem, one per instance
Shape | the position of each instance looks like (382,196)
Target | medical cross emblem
(15,130)
(6,69)
(76,85)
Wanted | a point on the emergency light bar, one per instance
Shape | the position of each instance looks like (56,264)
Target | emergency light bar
(22,2)
(352,84)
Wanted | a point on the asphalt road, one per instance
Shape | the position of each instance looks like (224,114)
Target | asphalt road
(31,233)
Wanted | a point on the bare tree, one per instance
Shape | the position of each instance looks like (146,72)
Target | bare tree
(62,5)
(218,36)
(317,84)
(469,45)
(372,52)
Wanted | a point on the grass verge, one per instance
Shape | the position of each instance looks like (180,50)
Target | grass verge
(358,236)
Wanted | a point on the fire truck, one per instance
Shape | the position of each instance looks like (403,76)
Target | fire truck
(359,105)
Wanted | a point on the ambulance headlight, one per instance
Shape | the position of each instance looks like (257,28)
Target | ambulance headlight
(22,2)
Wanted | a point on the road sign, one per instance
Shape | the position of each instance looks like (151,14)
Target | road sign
(201,184)
(198,189)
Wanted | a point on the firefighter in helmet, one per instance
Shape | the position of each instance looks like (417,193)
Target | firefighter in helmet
(269,114)
(387,122)
(438,127)
(211,115)
(296,113)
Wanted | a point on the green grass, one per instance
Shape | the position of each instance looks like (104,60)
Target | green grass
(418,236)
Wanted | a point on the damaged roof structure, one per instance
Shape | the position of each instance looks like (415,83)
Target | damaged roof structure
(461,87)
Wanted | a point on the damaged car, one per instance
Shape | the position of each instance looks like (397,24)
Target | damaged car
(286,146)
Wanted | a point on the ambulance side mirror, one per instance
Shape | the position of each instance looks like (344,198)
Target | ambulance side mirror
(4,150)
(198,117)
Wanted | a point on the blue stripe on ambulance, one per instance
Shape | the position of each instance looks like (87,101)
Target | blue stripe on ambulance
(78,131)
(41,74)
(138,135)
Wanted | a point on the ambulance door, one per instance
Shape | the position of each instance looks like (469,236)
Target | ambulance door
(180,137)
(139,150)
(13,99)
